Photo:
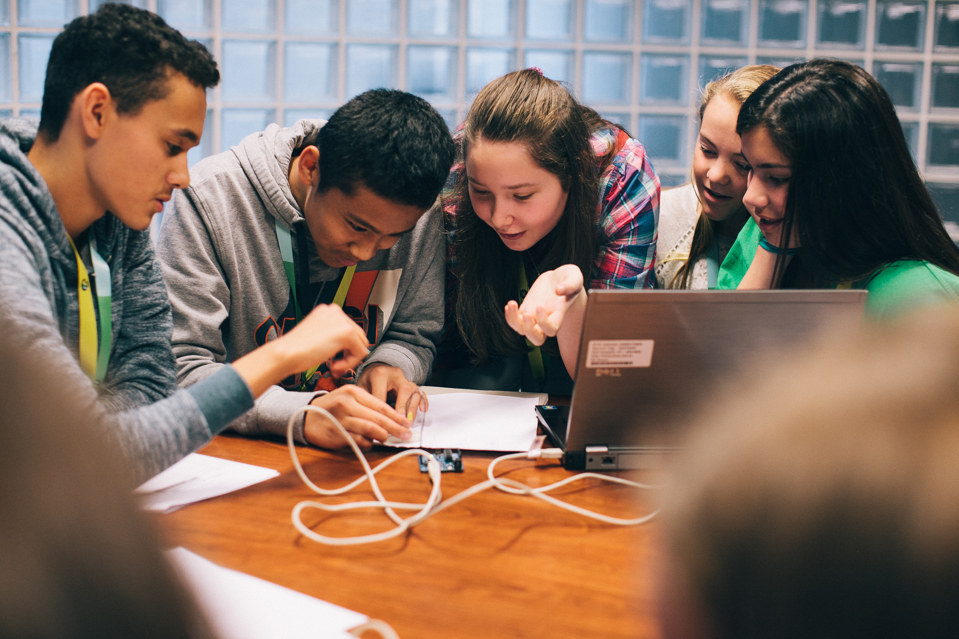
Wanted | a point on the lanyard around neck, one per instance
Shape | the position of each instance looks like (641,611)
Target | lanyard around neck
(94,356)
(286,253)
(534,353)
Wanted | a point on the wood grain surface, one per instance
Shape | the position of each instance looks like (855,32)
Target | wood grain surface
(495,566)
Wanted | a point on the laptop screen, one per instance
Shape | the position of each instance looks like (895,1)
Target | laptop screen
(647,358)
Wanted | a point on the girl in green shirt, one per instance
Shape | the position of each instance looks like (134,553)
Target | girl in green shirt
(834,197)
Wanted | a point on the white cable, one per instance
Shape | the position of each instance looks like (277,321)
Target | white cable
(386,631)
(433,467)
(432,504)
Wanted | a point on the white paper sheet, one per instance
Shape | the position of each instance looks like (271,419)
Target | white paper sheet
(240,606)
(195,478)
(472,421)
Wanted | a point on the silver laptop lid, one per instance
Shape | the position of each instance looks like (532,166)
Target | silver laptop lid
(647,357)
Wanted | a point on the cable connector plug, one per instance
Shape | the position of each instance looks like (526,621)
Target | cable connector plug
(545,453)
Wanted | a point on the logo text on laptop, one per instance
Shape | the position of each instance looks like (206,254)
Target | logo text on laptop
(608,372)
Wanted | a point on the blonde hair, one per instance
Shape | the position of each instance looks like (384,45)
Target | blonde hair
(737,85)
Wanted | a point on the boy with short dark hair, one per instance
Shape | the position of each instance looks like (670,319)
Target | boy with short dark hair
(125,100)
(131,52)
(320,212)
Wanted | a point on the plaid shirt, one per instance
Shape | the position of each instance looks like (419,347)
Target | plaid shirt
(626,221)
(626,226)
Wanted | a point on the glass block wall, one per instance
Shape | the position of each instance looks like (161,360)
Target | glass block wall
(640,63)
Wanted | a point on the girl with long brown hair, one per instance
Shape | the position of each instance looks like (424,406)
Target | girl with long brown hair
(547,199)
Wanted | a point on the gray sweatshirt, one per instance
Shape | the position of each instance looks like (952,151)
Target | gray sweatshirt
(39,311)
(222,266)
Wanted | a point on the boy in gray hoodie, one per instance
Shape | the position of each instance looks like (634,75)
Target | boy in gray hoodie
(331,212)
(124,99)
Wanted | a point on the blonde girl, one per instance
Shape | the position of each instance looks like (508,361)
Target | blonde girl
(700,220)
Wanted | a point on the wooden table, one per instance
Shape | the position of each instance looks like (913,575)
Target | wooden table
(495,566)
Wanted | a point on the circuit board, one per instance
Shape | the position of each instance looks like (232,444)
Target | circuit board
(450,459)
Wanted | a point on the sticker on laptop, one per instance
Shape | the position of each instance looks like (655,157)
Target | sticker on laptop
(619,353)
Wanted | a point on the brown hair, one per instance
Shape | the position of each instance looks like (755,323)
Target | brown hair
(821,500)
(76,558)
(737,85)
(528,108)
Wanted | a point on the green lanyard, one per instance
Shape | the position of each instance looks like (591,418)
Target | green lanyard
(286,253)
(94,357)
(534,353)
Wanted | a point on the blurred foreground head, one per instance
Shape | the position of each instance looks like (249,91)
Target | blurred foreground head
(823,502)
(76,558)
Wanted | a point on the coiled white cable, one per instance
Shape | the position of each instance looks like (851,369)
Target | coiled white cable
(433,504)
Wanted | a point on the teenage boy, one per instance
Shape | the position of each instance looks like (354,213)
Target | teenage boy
(124,99)
(320,212)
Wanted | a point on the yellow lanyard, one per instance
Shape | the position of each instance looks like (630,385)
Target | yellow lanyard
(286,253)
(534,353)
(340,298)
(94,352)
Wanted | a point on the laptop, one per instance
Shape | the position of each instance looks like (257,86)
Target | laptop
(647,358)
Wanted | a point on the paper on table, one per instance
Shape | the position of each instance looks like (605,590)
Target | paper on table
(195,478)
(471,421)
(240,606)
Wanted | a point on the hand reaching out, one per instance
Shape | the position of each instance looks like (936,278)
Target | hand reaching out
(327,333)
(549,298)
